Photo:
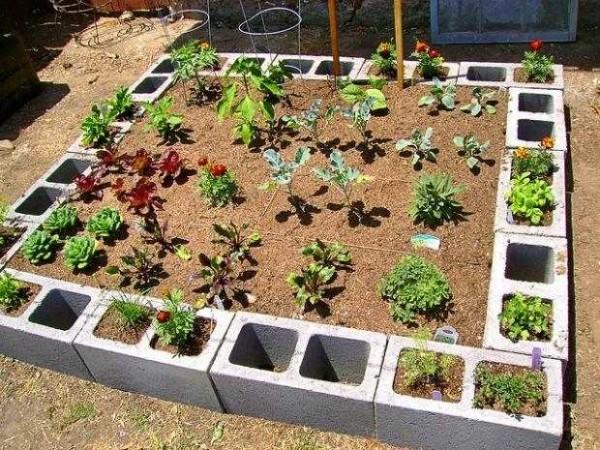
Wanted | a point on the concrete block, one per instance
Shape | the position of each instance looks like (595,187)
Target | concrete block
(558,227)
(150,87)
(78,146)
(162,66)
(43,335)
(299,65)
(36,204)
(299,372)
(264,59)
(484,74)
(557,83)
(534,114)
(29,228)
(323,67)
(452,77)
(421,423)
(142,369)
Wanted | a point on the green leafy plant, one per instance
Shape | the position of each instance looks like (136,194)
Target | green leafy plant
(385,58)
(218,185)
(62,220)
(507,390)
(480,102)
(121,103)
(96,126)
(11,292)
(329,255)
(309,283)
(246,127)
(360,115)
(414,286)
(525,317)
(530,198)
(234,237)
(132,314)
(105,224)
(429,60)
(470,148)
(422,366)
(538,163)
(282,172)
(139,268)
(175,323)
(420,146)
(536,65)
(340,175)
(80,252)
(434,199)
(160,117)
(39,247)
(218,273)
(311,119)
(353,94)
(440,96)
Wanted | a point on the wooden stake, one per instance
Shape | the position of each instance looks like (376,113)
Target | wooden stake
(399,40)
(333,31)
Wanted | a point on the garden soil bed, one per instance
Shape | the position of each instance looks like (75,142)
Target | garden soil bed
(10,235)
(30,290)
(376,244)
(110,327)
(520,77)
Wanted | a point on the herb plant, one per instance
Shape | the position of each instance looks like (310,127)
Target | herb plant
(414,286)
(138,268)
(174,325)
(439,95)
(539,163)
(429,60)
(420,146)
(341,175)
(236,240)
(385,58)
(329,255)
(309,283)
(525,318)
(96,126)
(160,117)
(282,173)
(530,198)
(39,247)
(132,314)
(11,292)
(218,185)
(105,224)
(536,65)
(80,252)
(470,148)
(434,199)
(61,221)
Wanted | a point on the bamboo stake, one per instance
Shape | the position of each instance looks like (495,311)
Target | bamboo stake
(399,41)
(333,31)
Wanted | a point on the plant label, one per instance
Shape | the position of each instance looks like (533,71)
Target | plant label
(536,358)
(425,240)
(436,395)
(447,335)
(509,217)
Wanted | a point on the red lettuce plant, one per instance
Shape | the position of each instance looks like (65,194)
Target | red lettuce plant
(171,164)
(88,186)
(140,163)
(142,198)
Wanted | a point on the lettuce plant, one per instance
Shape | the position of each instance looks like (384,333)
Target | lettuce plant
(11,292)
(471,149)
(434,199)
(530,198)
(62,220)
(282,172)
(536,65)
(341,175)
(105,224)
(480,102)
(80,252)
(420,145)
(525,318)
(170,165)
(332,254)
(440,96)
(39,247)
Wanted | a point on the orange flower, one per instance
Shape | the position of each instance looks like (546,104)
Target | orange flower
(548,143)
(421,47)
(521,152)
(536,45)
(204,46)
(384,50)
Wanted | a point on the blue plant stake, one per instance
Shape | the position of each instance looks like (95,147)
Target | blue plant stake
(447,335)
(436,395)
(536,358)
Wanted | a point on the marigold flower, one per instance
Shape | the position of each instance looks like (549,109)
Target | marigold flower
(521,152)
(433,53)
(218,170)
(421,47)
(204,46)
(384,50)
(536,45)
(548,142)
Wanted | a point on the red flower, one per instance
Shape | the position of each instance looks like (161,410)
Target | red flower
(203,161)
(163,316)
(218,170)
(170,164)
(433,53)
(536,45)
(421,47)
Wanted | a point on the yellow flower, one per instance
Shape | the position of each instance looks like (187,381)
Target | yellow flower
(384,49)
(204,46)
(548,143)
(521,152)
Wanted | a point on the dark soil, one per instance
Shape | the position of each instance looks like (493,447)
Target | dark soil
(377,241)
(450,387)
(203,328)
(10,235)
(111,327)
(520,77)
(28,292)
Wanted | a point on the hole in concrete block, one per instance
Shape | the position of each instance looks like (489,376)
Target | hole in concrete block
(536,103)
(335,359)
(60,309)
(149,85)
(165,66)
(39,201)
(326,68)
(68,170)
(526,262)
(534,130)
(264,347)
(298,66)
(486,73)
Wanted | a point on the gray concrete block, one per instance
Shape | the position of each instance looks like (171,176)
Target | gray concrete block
(323,67)
(534,114)
(557,83)
(63,171)
(80,148)
(421,423)
(36,204)
(12,251)
(43,335)
(409,68)
(150,86)
(299,65)
(142,369)
(299,372)
(485,74)
(558,227)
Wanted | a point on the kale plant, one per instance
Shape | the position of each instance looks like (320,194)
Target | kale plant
(341,175)
(440,96)
(471,149)
(420,146)
(480,102)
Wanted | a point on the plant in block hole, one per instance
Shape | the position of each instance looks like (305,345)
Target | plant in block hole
(330,255)
(161,119)
(471,149)
(480,102)
(175,323)
(385,58)
(309,283)
(429,60)
(341,176)
(525,318)
(419,144)
(80,252)
(235,238)
(96,126)
(61,221)
(538,162)
(529,198)
(132,313)
(138,268)
(218,184)
(11,292)
(434,200)
(121,103)
(422,366)
(537,66)
(218,273)
(440,96)
(39,247)
(508,391)
(282,172)
(105,224)
(311,119)
(414,286)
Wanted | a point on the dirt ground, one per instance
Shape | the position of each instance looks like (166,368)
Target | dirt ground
(43,409)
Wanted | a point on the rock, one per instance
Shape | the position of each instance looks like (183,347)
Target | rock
(93,79)
(112,55)
(127,16)
(67,65)
(5,144)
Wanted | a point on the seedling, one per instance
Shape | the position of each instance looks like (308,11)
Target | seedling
(96,126)
(234,238)
(341,176)
(88,187)
(138,268)
(11,292)
(434,200)
(105,224)
(282,173)
(121,104)
(218,273)
(360,114)
(170,165)
(480,102)
(471,150)
(309,283)
(132,313)
(311,119)
(61,221)
(420,146)
(440,96)
(332,255)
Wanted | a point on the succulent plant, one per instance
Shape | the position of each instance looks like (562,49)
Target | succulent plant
(80,251)
(105,224)
(39,247)
(62,219)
